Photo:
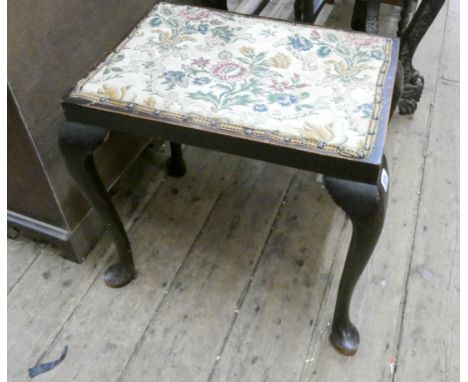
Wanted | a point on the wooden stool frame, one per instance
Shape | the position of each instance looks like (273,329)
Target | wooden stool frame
(358,186)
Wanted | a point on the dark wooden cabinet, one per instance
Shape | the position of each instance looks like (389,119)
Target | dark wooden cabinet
(51,45)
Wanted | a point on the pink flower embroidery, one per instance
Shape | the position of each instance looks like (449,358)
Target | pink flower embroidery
(361,40)
(201,62)
(281,86)
(315,34)
(227,71)
(194,14)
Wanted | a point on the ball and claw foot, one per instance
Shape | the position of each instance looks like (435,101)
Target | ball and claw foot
(411,95)
(118,275)
(176,167)
(345,338)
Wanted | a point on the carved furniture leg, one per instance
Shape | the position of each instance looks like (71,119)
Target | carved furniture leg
(358,20)
(365,204)
(372,16)
(407,8)
(397,89)
(365,16)
(307,10)
(175,166)
(417,28)
(298,8)
(77,143)
(218,4)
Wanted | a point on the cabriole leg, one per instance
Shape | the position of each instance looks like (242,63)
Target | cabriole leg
(365,204)
(77,143)
(176,165)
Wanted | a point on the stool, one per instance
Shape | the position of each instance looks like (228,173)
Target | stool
(312,98)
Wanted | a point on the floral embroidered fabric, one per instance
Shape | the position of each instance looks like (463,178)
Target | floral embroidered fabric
(305,85)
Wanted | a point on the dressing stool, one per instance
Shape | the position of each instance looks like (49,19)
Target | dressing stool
(311,98)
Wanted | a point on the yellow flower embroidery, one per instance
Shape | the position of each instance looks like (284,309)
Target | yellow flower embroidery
(150,102)
(318,133)
(169,40)
(112,92)
(246,50)
(346,71)
(280,60)
(165,37)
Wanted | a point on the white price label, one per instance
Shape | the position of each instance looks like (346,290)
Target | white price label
(384,179)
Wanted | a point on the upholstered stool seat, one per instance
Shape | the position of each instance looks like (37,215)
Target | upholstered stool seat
(302,96)
(307,86)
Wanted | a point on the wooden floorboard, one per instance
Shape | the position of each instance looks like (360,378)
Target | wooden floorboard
(109,322)
(450,64)
(430,347)
(238,262)
(386,273)
(270,337)
(22,253)
(36,315)
(189,328)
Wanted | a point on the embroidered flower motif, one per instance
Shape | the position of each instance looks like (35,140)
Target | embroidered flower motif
(366,109)
(300,43)
(318,85)
(202,28)
(200,62)
(229,70)
(174,75)
(280,60)
(173,78)
(324,51)
(260,107)
(318,133)
(268,33)
(112,92)
(247,51)
(349,72)
(155,21)
(150,102)
(377,54)
(194,14)
(359,40)
(283,99)
(225,55)
(201,80)
(315,34)
(281,86)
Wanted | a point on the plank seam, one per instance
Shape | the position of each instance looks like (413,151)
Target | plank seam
(246,289)
(105,262)
(154,316)
(421,183)
(326,291)
(26,270)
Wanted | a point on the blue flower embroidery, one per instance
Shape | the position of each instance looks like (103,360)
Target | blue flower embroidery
(286,99)
(377,54)
(201,81)
(260,107)
(300,43)
(174,76)
(324,51)
(155,21)
(366,109)
(203,28)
